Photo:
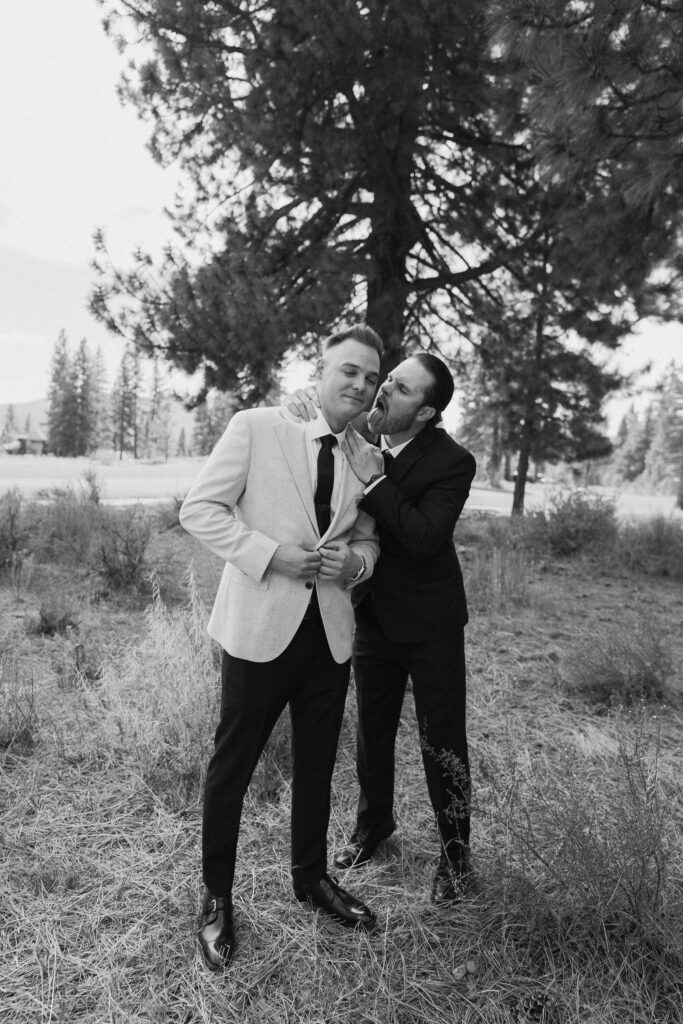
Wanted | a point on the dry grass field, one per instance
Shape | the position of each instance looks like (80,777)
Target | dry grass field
(108,694)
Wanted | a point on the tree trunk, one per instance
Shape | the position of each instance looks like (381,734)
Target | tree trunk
(522,467)
(495,459)
(533,376)
(679,496)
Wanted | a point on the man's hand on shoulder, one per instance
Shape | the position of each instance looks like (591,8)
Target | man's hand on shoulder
(365,460)
(303,404)
(295,562)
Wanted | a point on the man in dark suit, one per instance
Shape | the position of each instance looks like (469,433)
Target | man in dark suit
(410,616)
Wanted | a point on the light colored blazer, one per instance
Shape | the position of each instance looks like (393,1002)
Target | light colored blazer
(253,493)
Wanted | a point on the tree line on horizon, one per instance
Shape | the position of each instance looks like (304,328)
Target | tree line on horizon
(498,182)
(132,418)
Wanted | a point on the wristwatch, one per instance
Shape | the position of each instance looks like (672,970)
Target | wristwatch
(375,476)
(359,575)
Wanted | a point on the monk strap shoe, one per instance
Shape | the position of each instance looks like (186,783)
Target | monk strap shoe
(451,881)
(216,933)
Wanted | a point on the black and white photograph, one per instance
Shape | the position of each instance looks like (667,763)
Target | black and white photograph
(341,512)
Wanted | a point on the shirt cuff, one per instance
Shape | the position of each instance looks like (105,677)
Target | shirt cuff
(374,483)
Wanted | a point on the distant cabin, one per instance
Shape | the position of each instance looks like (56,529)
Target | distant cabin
(34,443)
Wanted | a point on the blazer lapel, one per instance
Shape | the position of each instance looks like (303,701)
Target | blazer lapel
(411,454)
(292,440)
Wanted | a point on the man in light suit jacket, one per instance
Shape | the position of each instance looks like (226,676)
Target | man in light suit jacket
(278,502)
(410,616)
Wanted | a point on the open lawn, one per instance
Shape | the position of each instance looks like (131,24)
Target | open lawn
(575,720)
(130,480)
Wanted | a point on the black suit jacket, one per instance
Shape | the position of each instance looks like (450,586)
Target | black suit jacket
(417,585)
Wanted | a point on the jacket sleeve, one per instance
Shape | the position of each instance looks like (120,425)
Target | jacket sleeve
(364,541)
(423,526)
(208,510)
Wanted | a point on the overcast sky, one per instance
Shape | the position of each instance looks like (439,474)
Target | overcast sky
(73,159)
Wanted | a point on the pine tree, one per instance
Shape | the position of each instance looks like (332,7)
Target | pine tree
(635,437)
(125,405)
(84,412)
(347,157)
(181,447)
(9,429)
(663,461)
(202,434)
(101,436)
(62,416)
(157,416)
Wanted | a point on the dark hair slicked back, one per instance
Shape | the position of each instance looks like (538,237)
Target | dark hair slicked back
(440,391)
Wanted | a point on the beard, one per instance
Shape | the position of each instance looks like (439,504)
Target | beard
(382,420)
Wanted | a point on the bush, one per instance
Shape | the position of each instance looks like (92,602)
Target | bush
(18,714)
(118,549)
(91,486)
(586,848)
(653,546)
(63,526)
(57,614)
(14,530)
(575,523)
(500,580)
(621,664)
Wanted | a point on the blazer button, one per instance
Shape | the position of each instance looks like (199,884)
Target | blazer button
(309,585)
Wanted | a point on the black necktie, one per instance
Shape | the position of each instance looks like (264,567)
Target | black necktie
(388,459)
(323,490)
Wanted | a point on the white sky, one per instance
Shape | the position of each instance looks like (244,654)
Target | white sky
(72,158)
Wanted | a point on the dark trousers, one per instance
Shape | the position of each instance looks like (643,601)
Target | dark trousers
(254,695)
(437,669)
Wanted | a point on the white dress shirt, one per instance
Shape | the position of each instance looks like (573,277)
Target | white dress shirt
(384,447)
(315,429)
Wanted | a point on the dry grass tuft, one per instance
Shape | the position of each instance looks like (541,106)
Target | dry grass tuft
(159,698)
(622,663)
(18,710)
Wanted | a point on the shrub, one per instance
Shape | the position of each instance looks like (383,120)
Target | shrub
(168,514)
(14,529)
(63,527)
(57,614)
(18,714)
(653,546)
(91,486)
(587,848)
(500,580)
(621,664)
(575,523)
(118,549)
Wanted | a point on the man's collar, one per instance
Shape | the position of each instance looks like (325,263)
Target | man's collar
(320,428)
(397,448)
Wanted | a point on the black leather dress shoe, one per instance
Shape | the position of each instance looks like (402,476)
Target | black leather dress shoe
(452,880)
(216,933)
(358,851)
(337,902)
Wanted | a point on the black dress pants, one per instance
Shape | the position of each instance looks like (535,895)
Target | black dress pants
(437,669)
(254,695)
